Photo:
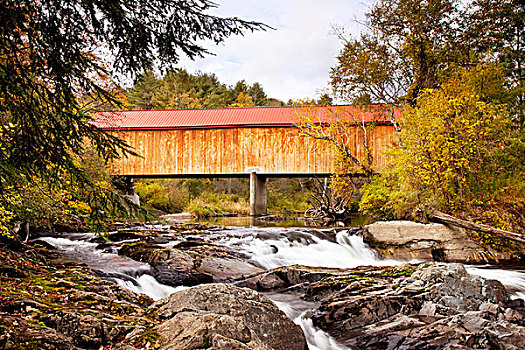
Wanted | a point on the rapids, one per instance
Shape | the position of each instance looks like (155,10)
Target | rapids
(270,248)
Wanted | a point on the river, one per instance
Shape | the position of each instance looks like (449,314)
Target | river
(270,247)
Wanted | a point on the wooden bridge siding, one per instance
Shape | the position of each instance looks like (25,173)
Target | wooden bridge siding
(232,150)
(383,139)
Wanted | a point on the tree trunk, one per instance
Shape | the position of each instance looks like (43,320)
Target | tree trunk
(440,217)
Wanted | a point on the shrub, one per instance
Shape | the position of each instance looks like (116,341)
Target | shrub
(166,195)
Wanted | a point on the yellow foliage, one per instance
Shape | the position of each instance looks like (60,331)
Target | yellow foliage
(446,140)
(460,153)
(243,100)
(5,219)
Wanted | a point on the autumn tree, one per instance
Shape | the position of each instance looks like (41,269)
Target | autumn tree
(404,50)
(338,128)
(412,45)
(242,100)
(496,28)
(411,50)
(52,53)
(461,154)
(348,132)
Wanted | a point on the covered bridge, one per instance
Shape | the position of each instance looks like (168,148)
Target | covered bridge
(259,142)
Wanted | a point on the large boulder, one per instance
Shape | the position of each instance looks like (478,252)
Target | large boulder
(221,316)
(406,240)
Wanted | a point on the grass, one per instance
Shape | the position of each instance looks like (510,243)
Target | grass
(211,204)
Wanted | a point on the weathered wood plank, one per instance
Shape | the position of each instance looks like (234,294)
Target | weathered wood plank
(225,151)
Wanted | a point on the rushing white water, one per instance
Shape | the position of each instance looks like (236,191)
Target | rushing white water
(147,284)
(270,248)
(78,249)
(513,280)
(316,338)
(278,249)
(124,271)
(299,311)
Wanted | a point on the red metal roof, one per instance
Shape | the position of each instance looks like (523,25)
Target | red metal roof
(234,117)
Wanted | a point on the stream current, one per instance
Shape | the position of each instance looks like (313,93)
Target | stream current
(271,248)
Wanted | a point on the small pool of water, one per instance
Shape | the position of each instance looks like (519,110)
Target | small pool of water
(293,220)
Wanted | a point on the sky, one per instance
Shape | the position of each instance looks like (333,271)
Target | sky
(294,60)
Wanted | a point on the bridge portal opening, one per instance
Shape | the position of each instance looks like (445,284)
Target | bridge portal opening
(254,187)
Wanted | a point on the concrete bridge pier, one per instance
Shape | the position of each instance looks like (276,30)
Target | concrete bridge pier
(258,195)
(129,190)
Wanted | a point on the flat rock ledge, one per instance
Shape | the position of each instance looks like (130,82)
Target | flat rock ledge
(411,306)
(221,316)
(406,240)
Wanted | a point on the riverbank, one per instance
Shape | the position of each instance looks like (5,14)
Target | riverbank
(47,302)
(282,220)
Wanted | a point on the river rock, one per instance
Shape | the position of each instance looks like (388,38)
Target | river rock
(15,332)
(406,240)
(438,306)
(411,306)
(86,331)
(221,316)
(226,269)
(286,277)
(190,262)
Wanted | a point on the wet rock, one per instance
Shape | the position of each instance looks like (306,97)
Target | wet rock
(122,235)
(299,237)
(406,240)
(328,235)
(220,316)
(268,236)
(140,251)
(285,277)
(175,268)
(222,269)
(303,236)
(190,262)
(453,287)
(169,266)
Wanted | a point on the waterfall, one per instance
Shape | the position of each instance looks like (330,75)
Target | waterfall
(274,247)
